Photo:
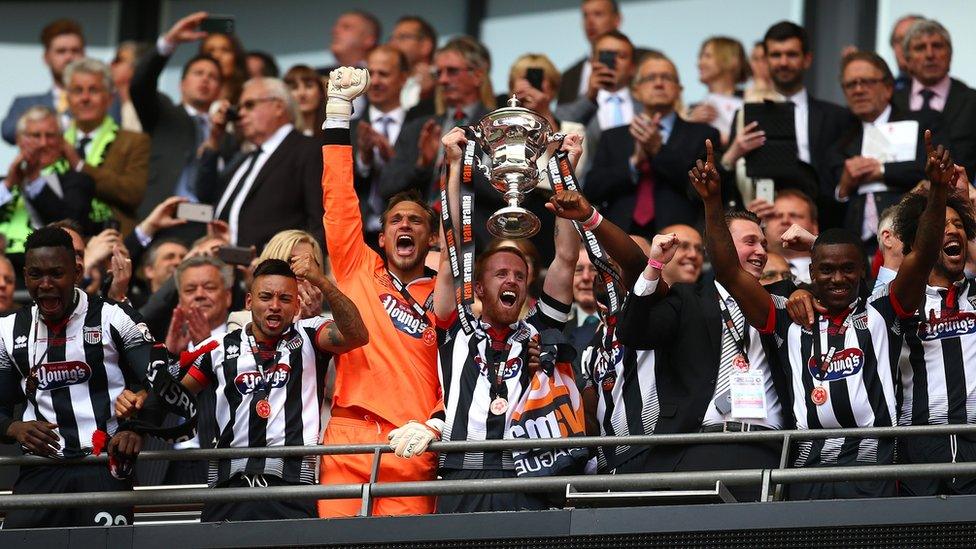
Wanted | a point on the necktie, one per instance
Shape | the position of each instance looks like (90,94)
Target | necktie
(62,104)
(644,201)
(187,184)
(459,117)
(82,145)
(591,320)
(616,111)
(723,402)
(927,96)
(385,122)
(229,203)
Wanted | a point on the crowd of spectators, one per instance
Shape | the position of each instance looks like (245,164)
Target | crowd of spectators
(181,209)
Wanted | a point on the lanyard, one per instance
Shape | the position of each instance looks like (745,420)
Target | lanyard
(265,386)
(822,360)
(497,372)
(402,288)
(738,339)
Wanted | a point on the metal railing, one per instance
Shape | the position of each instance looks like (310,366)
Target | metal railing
(767,479)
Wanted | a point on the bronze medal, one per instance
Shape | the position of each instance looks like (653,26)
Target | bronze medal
(499,406)
(740,363)
(263,408)
(819,395)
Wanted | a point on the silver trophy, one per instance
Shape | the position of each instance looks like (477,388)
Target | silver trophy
(514,138)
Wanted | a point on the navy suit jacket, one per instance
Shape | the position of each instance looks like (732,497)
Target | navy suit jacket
(611,186)
(21,103)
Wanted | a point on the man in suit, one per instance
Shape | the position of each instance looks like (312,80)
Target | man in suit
(872,184)
(819,124)
(640,173)
(607,102)
(375,133)
(599,18)
(63,42)
(117,159)
(928,53)
(274,186)
(462,66)
(177,130)
(32,196)
(702,339)
(354,34)
(898,31)
(417,39)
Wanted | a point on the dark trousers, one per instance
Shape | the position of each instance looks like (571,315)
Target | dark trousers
(472,503)
(185,472)
(936,449)
(257,509)
(68,479)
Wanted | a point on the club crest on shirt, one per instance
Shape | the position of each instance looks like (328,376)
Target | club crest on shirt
(20,342)
(144,330)
(277,376)
(55,375)
(844,363)
(403,316)
(946,325)
(860,321)
(92,335)
(512,367)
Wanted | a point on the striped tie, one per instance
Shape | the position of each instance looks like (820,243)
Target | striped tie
(723,402)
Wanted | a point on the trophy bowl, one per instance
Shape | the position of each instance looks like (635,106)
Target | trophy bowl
(514,138)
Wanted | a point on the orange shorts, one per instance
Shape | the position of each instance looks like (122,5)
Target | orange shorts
(356,468)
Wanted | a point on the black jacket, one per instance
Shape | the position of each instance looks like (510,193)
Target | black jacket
(611,186)
(685,328)
(958,120)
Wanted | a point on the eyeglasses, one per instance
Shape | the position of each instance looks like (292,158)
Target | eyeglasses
(451,72)
(688,247)
(851,85)
(38,135)
(249,104)
(662,76)
(768,276)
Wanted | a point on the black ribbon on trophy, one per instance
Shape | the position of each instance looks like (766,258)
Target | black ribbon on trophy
(514,138)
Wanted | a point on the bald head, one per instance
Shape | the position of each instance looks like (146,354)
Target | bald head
(686,265)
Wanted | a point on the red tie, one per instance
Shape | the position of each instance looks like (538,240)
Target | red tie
(644,202)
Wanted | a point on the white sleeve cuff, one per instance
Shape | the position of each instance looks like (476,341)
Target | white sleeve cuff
(644,286)
(144,239)
(164,47)
(838,197)
(5,195)
(35,187)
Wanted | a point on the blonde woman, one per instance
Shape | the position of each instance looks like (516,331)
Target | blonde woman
(287,245)
(722,67)
(540,99)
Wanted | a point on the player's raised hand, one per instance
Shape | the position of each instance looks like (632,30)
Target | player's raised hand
(704,177)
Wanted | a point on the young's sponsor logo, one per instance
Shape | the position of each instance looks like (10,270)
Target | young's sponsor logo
(844,363)
(55,375)
(277,376)
(511,369)
(952,325)
(403,316)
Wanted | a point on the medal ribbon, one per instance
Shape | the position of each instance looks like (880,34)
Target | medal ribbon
(421,310)
(460,247)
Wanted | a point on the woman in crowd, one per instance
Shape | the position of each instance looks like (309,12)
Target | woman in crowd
(722,67)
(228,51)
(309,92)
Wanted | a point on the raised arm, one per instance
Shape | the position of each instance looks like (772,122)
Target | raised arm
(754,301)
(348,331)
(559,277)
(909,285)
(444,300)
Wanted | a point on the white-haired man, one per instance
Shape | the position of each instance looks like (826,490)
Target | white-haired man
(273,184)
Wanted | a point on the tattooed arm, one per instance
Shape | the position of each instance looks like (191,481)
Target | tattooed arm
(346,331)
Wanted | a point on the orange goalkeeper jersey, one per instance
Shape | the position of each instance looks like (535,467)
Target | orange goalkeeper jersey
(395,375)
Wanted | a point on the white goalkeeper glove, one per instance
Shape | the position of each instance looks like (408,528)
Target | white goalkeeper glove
(413,438)
(345,84)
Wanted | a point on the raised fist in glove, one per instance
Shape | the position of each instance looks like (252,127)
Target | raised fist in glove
(345,84)
(413,438)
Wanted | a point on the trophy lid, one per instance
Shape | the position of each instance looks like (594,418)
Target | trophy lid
(513,110)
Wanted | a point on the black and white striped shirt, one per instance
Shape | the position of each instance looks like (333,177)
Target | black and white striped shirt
(72,373)
(626,389)
(466,368)
(295,378)
(859,378)
(938,372)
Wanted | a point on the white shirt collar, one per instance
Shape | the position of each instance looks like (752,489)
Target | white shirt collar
(800,98)
(276,138)
(882,118)
(603,95)
(397,114)
(191,111)
(722,292)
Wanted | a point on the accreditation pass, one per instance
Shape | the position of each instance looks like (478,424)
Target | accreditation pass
(748,391)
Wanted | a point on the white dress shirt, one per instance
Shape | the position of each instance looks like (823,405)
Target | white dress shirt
(801,119)
(605,110)
(396,117)
(267,149)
